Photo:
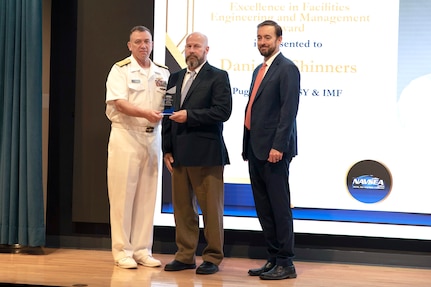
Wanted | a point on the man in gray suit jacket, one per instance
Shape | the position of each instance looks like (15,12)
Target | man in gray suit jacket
(195,154)
(269,145)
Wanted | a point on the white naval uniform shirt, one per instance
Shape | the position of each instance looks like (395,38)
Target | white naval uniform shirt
(128,81)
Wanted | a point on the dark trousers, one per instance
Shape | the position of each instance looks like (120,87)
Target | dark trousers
(270,185)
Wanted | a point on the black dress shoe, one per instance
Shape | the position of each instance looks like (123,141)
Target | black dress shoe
(178,266)
(265,268)
(279,272)
(207,268)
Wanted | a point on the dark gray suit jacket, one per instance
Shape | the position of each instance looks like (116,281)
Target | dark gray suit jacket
(274,110)
(199,141)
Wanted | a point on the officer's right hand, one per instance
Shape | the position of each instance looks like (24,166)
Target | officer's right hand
(153,116)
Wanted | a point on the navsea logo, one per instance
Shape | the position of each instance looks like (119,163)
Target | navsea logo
(369,181)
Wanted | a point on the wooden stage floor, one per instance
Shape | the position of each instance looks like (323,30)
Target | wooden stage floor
(78,268)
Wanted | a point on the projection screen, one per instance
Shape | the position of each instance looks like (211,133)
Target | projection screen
(363,122)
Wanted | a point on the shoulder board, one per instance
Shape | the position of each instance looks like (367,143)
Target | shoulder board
(123,62)
(161,66)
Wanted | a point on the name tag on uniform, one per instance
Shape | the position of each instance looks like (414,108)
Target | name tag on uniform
(136,81)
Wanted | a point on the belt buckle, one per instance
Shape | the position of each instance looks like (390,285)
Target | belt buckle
(149,129)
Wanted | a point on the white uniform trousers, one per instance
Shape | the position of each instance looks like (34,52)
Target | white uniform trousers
(133,159)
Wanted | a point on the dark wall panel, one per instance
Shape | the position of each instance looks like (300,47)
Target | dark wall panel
(61,117)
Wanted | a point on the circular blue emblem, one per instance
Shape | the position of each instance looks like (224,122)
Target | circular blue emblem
(369,181)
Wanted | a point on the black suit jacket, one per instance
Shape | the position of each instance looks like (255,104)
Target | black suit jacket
(199,141)
(274,110)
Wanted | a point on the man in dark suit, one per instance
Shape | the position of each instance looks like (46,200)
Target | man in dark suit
(269,145)
(195,153)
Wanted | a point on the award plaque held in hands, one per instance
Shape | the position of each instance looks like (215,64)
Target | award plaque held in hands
(168,102)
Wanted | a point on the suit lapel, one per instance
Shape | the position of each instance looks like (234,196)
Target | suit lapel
(271,70)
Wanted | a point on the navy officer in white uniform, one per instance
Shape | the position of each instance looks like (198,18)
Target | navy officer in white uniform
(135,89)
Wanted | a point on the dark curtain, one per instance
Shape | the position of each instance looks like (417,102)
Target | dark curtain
(21,187)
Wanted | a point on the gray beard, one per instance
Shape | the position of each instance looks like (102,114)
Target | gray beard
(193,62)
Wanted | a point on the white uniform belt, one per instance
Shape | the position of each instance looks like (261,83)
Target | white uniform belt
(147,129)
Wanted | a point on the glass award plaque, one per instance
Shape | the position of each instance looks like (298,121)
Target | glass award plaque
(168,102)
